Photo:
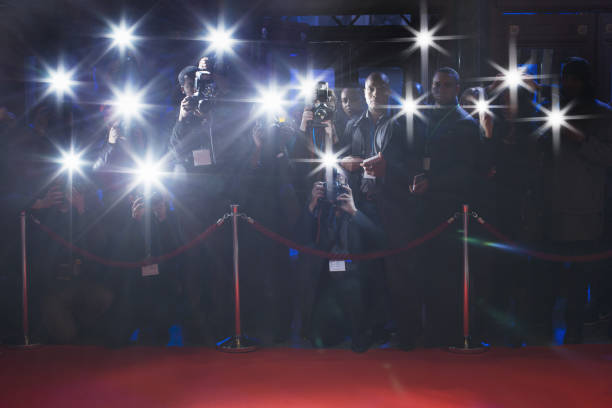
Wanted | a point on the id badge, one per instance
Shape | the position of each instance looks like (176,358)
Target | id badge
(201,157)
(337,266)
(150,270)
(426,163)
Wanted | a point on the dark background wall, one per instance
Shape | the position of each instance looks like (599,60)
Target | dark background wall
(545,31)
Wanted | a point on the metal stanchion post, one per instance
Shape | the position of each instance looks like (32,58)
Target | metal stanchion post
(467,346)
(25,321)
(237,343)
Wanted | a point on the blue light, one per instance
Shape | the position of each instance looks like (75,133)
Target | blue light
(176,336)
(589,294)
(293,252)
(559,335)
(134,336)
(224,340)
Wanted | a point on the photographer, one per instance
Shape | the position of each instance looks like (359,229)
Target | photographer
(574,199)
(267,194)
(192,142)
(331,222)
(203,150)
(147,297)
(73,296)
(318,135)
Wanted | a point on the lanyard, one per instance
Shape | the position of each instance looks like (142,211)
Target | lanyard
(314,140)
(372,129)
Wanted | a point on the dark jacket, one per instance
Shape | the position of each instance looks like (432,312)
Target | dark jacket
(344,234)
(575,175)
(452,144)
(392,206)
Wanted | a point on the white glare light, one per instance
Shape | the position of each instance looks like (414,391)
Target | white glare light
(220,40)
(409,106)
(556,119)
(271,101)
(329,160)
(424,39)
(122,36)
(60,81)
(71,161)
(128,104)
(514,78)
(482,106)
(147,173)
(307,87)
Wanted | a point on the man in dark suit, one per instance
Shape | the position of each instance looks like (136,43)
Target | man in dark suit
(450,164)
(382,164)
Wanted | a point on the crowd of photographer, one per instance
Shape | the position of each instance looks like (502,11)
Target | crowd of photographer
(398,174)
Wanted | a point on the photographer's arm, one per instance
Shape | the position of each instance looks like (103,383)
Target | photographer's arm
(104,157)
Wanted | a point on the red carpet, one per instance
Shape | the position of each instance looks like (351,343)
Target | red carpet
(576,376)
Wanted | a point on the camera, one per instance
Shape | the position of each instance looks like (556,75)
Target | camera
(283,126)
(205,91)
(335,188)
(322,107)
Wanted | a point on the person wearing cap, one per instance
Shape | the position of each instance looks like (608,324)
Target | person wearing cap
(575,165)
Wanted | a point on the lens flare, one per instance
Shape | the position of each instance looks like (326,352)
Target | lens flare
(409,106)
(71,161)
(220,39)
(513,78)
(60,81)
(148,173)
(128,104)
(329,160)
(122,36)
(424,39)
(556,118)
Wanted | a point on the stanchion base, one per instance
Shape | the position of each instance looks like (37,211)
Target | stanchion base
(237,344)
(20,343)
(30,346)
(467,348)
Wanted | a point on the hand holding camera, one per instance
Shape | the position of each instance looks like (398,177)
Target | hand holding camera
(155,203)
(53,197)
(345,200)
(307,117)
(318,192)
(257,134)
(187,107)
(115,134)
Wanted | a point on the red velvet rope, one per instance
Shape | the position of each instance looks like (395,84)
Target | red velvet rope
(122,264)
(356,257)
(545,255)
